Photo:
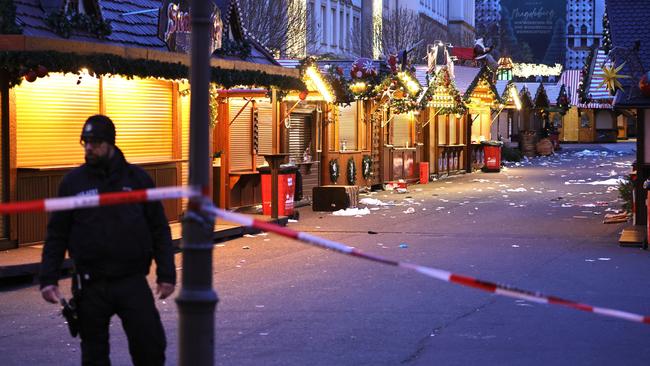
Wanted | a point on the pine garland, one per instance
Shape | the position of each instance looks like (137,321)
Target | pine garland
(15,62)
(583,85)
(334,170)
(402,101)
(366,167)
(233,48)
(63,23)
(352,172)
(563,100)
(541,98)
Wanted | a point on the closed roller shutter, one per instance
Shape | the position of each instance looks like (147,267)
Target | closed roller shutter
(453,130)
(402,130)
(348,126)
(264,131)
(461,130)
(299,136)
(442,129)
(142,112)
(241,132)
(50,113)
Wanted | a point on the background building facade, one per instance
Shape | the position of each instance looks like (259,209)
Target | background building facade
(333,27)
(371,28)
(584,30)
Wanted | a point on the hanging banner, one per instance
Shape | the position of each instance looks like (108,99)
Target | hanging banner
(537,28)
(175,26)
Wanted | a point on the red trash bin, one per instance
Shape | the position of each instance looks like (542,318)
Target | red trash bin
(492,155)
(424,173)
(286,190)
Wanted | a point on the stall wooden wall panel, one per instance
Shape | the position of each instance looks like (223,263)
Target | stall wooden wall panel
(50,113)
(142,113)
(264,131)
(31,227)
(241,133)
(310,178)
(166,177)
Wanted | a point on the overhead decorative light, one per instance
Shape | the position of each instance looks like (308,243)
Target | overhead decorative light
(515,98)
(527,70)
(321,85)
(412,85)
(358,87)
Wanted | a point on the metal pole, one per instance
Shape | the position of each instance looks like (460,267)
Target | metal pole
(197,300)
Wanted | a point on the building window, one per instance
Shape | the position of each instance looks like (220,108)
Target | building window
(323,22)
(333,43)
(312,23)
(342,31)
(348,33)
(356,28)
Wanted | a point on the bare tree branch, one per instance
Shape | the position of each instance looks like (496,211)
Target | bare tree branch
(280,25)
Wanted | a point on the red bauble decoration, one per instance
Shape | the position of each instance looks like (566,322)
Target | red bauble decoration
(31,75)
(303,95)
(339,70)
(644,84)
(41,71)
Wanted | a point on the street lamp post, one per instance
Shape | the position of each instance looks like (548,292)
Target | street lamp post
(197,300)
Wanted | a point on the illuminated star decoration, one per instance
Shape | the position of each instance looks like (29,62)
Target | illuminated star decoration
(611,76)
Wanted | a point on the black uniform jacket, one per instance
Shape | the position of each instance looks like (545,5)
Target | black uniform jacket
(111,241)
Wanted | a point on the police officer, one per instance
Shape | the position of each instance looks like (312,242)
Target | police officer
(112,249)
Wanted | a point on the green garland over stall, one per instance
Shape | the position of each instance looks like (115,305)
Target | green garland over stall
(16,63)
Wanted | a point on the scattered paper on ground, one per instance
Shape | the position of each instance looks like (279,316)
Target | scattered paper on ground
(352,212)
(374,202)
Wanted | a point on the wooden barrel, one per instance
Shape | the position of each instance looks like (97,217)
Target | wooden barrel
(545,147)
(528,143)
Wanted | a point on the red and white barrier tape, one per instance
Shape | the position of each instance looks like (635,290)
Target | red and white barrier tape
(103,199)
(156,194)
(427,271)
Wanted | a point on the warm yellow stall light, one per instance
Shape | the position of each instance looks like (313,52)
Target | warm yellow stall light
(314,75)
(515,97)
(358,87)
(412,85)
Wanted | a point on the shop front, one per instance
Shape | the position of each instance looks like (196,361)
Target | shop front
(503,127)
(446,125)
(482,98)
(49,86)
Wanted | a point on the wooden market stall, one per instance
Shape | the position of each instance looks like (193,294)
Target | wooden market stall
(482,98)
(446,125)
(503,127)
(50,83)
(532,116)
